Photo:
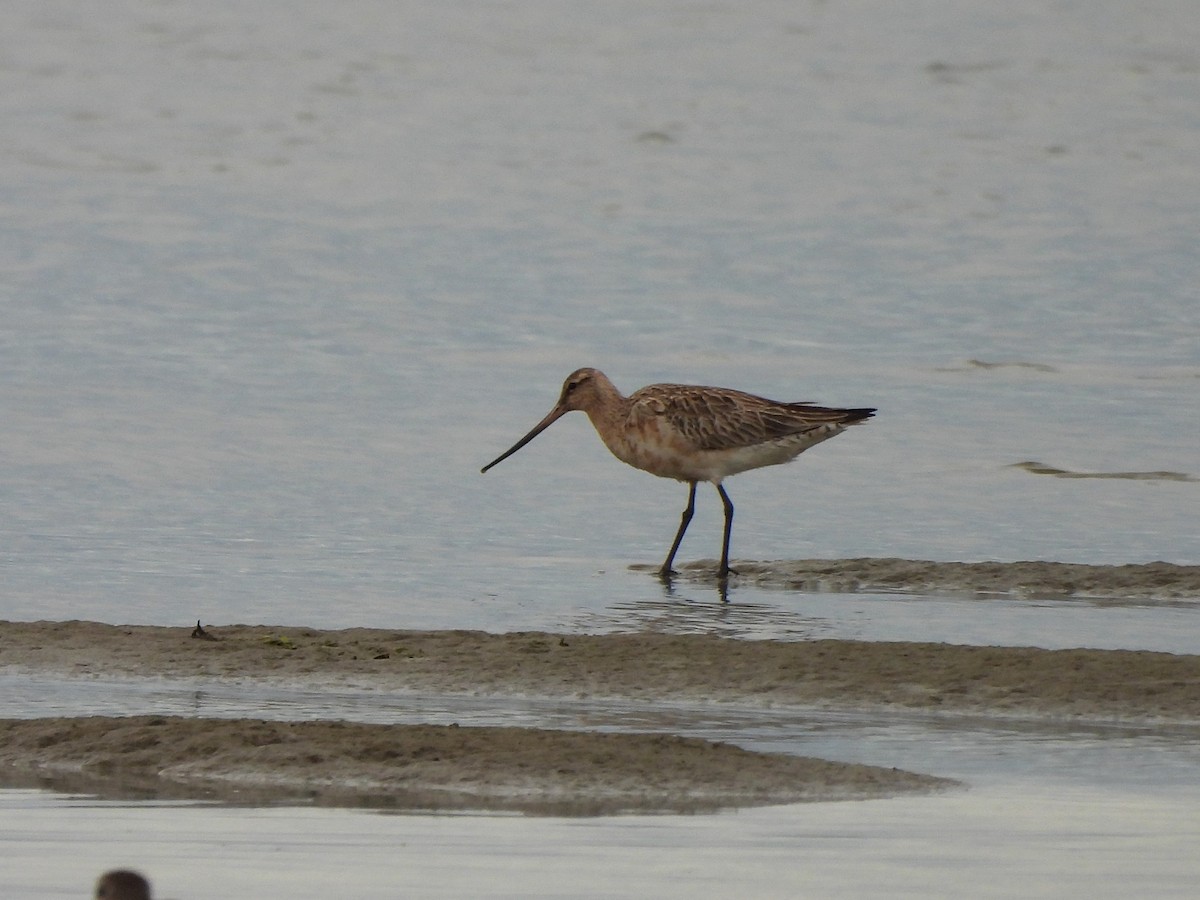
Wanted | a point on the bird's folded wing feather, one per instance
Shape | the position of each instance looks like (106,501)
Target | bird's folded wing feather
(720,419)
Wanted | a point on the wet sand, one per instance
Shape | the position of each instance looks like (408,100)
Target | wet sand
(1036,578)
(428,767)
(536,770)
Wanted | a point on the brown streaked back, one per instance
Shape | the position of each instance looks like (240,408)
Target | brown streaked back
(713,418)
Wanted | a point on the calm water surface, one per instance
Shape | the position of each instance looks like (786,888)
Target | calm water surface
(277,286)
(277,281)
(1067,809)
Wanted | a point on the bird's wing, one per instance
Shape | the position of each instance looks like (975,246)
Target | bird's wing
(722,419)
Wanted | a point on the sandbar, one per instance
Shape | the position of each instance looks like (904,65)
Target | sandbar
(544,771)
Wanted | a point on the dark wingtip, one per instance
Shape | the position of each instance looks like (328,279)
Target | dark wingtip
(857,415)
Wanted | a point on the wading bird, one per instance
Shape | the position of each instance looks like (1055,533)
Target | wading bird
(693,433)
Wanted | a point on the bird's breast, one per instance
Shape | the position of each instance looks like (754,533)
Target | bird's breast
(654,446)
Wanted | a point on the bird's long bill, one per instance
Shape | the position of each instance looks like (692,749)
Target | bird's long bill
(537,429)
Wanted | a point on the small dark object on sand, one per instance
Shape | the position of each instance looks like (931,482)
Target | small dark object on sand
(200,634)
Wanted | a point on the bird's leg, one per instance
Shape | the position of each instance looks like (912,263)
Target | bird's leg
(666,570)
(724,570)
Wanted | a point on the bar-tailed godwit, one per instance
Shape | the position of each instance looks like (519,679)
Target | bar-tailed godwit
(693,433)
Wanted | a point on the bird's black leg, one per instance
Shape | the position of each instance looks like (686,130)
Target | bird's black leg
(684,520)
(724,570)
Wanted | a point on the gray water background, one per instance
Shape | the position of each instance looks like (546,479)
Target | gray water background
(277,281)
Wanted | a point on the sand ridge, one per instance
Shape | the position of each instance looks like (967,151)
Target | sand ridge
(565,772)
(434,767)
(1030,578)
(1122,685)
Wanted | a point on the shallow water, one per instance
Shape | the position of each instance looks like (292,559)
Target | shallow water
(1118,801)
(982,619)
(987,843)
(980,748)
(277,284)
(1115,802)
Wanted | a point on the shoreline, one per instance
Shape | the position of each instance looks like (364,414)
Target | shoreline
(431,768)
(1041,579)
(530,770)
(1106,685)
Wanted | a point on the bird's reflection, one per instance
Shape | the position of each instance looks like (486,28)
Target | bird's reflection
(696,602)
(668,579)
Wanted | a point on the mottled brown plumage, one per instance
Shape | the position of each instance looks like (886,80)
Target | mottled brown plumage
(694,433)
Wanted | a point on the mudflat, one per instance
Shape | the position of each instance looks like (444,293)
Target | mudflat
(1122,685)
(569,772)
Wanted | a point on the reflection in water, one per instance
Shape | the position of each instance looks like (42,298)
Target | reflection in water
(760,605)
(691,608)
(668,580)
